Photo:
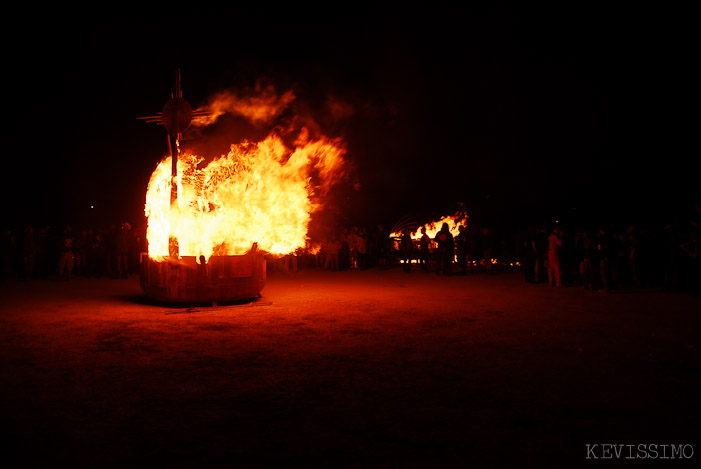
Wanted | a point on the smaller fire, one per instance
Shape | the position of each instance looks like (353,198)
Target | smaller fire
(432,228)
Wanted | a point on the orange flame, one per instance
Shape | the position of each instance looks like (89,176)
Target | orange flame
(260,193)
(432,228)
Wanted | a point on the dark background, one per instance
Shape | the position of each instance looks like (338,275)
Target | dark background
(520,114)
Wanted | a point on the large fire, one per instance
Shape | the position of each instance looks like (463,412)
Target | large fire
(260,192)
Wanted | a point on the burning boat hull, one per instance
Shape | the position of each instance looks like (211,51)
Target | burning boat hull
(222,279)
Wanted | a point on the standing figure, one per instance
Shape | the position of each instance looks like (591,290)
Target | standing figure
(461,249)
(67,257)
(475,246)
(530,255)
(332,249)
(361,248)
(382,246)
(424,244)
(344,252)
(445,250)
(586,255)
(352,240)
(122,250)
(407,249)
(540,244)
(604,252)
(554,272)
(488,245)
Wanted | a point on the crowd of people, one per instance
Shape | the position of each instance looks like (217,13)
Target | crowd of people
(603,258)
(608,257)
(473,249)
(49,252)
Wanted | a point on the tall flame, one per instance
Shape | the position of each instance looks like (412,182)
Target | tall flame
(262,193)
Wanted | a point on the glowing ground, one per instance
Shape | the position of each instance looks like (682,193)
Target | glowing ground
(374,368)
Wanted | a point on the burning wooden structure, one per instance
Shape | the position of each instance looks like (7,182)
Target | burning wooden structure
(211,225)
(189,280)
(186,279)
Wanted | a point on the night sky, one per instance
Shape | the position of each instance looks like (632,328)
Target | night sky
(515,113)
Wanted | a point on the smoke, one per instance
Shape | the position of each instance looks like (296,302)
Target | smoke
(339,109)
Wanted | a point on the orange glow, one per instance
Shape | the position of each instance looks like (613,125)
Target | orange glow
(262,193)
(314,248)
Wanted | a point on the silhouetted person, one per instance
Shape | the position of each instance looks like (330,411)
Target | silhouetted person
(43,266)
(332,249)
(407,249)
(80,250)
(121,250)
(344,253)
(569,267)
(137,245)
(604,254)
(67,256)
(382,246)
(554,244)
(488,245)
(91,254)
(352,240)
(585,247)
(202,271)
(541,246)
(424,252)
(530,256)
(445,250)
(474,245)
(621,252)
(102,253)
(108,243)
(361,248)
(461,249)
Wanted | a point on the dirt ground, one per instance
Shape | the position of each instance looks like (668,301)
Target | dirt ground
(351,369)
